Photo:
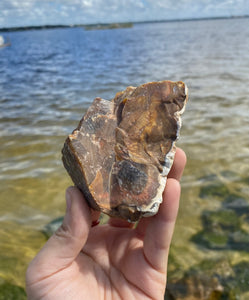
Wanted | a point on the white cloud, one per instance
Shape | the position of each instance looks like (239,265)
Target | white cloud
(35,12)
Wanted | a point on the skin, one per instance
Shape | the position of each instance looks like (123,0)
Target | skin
(112,261)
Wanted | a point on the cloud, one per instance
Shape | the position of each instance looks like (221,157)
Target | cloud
(39,12)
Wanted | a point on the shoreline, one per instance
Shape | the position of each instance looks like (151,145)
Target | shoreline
(98,26)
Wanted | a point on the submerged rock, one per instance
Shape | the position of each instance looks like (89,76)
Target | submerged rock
(216,189)
(211,279)
(120,154)
(223,229)
(9,291)
(196,287)
(237,203)
(52,226)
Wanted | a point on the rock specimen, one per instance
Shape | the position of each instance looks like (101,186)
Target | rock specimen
(120,154)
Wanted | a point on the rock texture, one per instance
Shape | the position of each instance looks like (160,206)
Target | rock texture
(120,154)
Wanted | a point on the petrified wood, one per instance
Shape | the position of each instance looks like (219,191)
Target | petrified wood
(120,154)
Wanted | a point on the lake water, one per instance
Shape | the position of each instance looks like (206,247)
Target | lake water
(48,78)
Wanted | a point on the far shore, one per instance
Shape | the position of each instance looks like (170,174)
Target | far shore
(112,25)
(86,27)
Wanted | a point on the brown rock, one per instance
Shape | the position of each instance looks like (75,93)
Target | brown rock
(120,154)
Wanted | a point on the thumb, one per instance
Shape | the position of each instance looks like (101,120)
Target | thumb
(67,242)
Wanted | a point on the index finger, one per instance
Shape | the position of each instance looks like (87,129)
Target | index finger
(178,164)
(158,230)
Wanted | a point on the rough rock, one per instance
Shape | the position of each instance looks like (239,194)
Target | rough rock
(120,154)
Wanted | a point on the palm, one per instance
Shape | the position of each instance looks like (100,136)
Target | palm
(112,265)
(119,263)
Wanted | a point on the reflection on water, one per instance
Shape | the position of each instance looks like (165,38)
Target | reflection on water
(48,79)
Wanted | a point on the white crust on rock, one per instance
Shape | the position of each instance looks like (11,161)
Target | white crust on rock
(169,159)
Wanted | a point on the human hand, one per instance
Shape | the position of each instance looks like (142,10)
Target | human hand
(112,261)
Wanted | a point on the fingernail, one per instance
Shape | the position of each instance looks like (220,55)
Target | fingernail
(68,200)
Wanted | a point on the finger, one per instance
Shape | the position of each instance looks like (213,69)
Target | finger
(64,246)
(120,223)
(159,231)
(178,164)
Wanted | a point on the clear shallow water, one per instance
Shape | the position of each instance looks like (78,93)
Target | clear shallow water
(48,79)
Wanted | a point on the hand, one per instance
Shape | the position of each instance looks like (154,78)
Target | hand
(112,261)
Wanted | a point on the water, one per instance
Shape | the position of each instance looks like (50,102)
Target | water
(48,79)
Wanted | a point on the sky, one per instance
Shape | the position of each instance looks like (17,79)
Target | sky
(66,12)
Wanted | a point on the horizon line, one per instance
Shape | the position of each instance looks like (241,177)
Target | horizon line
(54,26)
